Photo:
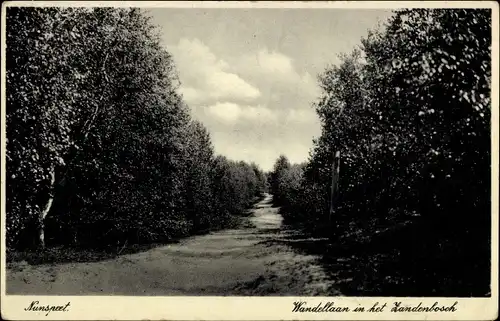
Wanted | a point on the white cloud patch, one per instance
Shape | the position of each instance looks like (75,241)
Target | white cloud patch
(256,105)
(206,78)
(274,62)
(275,72)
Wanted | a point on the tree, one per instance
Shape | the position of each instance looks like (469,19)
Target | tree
(101,148)
(71,112)
(276,177)
(411,115)
(42,95)
(199,193)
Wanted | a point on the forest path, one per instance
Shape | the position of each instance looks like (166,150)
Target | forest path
(253,260)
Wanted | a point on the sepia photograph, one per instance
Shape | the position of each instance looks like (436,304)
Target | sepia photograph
(225,151)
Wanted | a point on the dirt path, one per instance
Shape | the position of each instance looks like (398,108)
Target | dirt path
(247,261)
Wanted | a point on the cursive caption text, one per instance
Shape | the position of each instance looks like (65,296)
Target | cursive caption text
(398,306)
(35,306)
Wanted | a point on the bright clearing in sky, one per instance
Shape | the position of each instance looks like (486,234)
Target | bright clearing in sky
(250,75)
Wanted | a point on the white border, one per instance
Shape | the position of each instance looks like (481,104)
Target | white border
(256,308)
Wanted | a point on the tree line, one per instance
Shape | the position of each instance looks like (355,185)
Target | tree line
(409,111)
(101,148)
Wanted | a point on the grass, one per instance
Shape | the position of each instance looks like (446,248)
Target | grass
(66,254)
(73,254)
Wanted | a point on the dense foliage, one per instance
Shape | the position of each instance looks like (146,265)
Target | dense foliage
(284,182)
(100,145)
(409,112)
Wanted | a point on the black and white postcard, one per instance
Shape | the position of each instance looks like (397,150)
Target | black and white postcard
(249,160)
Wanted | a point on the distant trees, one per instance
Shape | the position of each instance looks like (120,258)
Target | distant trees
(100,145)
(285,180)
(410,112)
(276,178)
(235,186)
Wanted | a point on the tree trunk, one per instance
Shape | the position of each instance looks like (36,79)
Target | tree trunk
(46,210)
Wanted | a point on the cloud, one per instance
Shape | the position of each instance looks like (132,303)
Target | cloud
(274,62)
(264,61)
(205,78)
(256,105)
(277,78)
(190,94)
(223,85)
(232,113)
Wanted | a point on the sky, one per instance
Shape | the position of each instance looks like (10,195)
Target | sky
(250,75)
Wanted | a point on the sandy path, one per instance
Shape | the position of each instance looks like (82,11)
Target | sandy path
(230,262)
